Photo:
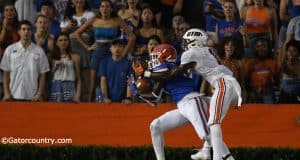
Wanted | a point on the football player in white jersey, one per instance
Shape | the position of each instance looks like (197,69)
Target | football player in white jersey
(201,58)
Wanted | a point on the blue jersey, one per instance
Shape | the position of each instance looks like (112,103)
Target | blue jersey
(179,86)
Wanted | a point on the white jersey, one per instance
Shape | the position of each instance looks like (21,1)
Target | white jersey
(207,64)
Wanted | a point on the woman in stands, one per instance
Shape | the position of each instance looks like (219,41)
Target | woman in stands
(42,35)
(146,28)
(8,32)
(107,27)
(290,74)
(76,14)
(66,81)
(231,25)
(260,22)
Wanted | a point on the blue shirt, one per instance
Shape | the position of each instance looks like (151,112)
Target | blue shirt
(179,86)
(229,29)
(55,28)
(116,73)
(210,19)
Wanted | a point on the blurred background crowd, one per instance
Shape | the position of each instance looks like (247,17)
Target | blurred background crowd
(91,45)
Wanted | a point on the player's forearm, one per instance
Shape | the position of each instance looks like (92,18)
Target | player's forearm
(181,69)
(158,76)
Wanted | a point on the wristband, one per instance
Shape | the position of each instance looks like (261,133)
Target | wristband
(147,74)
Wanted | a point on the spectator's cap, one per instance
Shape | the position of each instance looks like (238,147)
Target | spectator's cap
(118,41)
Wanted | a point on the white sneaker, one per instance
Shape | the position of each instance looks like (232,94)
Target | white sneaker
(202,154)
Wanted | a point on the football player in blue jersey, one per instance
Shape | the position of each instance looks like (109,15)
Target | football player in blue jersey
(191,107)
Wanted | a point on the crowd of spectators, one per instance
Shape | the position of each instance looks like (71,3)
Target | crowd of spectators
(65,50)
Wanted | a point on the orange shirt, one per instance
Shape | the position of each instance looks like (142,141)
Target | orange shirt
(260,72)
(8,40)
(258,20)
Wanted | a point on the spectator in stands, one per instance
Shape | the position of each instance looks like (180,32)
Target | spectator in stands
(293,31)
(3,3)
(177,43)
(44,39)
(66,80)
(231,25)
(155,5)
(26,10)
(230,51)
(106,26)
(146,28)
(8,33)
(60,7)
(285,12)
(213,13)
(113,73)
(261,22)
(8,30)
(48,10)
(152,42)
(171,34)
(41,36)
(76,14)
(261,74)
(131,14)
(290,74)
(169,8)
(24,65)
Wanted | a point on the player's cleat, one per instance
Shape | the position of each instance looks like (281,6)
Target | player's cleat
(202,154)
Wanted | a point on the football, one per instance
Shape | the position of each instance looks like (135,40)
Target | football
(143,85)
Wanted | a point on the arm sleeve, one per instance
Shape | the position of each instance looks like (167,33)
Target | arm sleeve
(44,63)
(187,57)
(5,62)
(291,27)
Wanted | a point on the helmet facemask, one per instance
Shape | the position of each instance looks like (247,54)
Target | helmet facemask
(161,54)
(153,62)
(187,43)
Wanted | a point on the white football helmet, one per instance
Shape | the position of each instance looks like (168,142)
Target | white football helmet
(194,37)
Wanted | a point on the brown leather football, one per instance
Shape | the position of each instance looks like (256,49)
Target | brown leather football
(143,85)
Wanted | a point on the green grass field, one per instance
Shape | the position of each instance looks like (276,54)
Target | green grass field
(29,152)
